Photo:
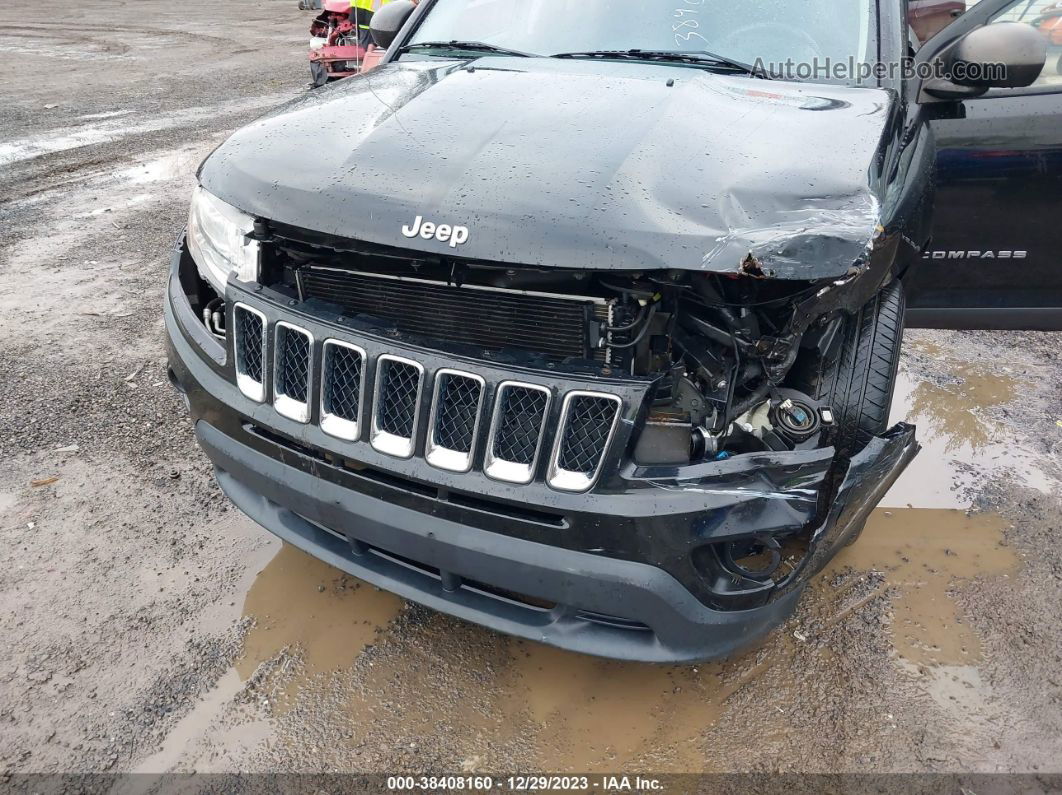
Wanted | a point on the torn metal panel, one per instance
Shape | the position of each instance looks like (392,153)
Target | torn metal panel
(772,236)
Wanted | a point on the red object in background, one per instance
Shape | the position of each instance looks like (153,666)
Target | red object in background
(335,45)
(341,60)
(1050,23)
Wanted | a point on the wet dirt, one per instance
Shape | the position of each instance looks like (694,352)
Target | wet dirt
(300,601)
(152,628)
(925,554)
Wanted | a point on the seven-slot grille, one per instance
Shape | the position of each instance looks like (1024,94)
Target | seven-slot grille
(390,398)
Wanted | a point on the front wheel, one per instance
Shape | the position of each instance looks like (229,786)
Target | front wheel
(857,376)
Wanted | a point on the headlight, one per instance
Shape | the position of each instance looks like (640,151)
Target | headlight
(217,240)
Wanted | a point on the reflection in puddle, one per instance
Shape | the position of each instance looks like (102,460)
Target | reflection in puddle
(955,409)
(925,553)
(303,604)
(961,446)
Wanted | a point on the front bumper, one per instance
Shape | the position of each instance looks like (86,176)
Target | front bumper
(607,573)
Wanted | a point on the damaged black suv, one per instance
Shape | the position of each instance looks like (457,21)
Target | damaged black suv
(581,320)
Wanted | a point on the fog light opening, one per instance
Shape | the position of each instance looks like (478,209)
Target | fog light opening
(757,558)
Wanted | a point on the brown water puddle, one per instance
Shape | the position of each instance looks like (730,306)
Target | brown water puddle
(302,603)
(926,553)
(597,715)
(962,447)
(956,409)
(568,712)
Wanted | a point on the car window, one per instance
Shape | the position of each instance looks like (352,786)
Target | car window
(928,17)
(773,32)
(1046,17)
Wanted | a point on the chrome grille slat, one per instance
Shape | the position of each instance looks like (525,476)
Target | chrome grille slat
(249,341)
(343,368)
(454,424)
(292,372)
(517,429)
(588,422)
(396,405)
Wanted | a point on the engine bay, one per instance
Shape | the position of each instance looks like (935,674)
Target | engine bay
(718,348)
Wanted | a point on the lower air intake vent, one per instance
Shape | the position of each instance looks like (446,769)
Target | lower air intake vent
(249,341)
(397,405)
(454,420)
(516,432)
(343,384)
(588,421)
(291,388)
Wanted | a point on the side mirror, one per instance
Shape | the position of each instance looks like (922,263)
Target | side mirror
(389,20)
(1001,55)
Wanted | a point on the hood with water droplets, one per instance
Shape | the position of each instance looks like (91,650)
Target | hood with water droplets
(574,164)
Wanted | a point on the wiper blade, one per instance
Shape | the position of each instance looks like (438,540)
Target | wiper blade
(471,46)
(698,58)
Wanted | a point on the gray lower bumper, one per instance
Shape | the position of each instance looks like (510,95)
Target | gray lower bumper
(676,626)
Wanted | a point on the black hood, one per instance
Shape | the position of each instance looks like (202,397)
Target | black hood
(573,164)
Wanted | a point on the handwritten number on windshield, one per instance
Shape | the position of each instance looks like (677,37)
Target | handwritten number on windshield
(691,25)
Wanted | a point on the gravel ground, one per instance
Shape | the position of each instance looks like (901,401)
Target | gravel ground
(149,627)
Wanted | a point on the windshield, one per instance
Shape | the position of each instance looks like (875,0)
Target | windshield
(781,35)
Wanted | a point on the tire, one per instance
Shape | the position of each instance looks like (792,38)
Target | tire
(858,375)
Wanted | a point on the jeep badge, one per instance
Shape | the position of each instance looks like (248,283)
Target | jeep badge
(441,232)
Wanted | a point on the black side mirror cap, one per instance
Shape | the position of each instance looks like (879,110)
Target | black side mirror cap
(389,20)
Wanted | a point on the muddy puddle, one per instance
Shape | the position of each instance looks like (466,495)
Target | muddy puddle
(570,712)
(312,611)
(925,554)
(962,446)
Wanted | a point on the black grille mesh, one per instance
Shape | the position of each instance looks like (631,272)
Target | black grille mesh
(249,355)
(343,369)
(555,327)
(293,364)
(519,424)
(456,412)
(398,397)
(586,433)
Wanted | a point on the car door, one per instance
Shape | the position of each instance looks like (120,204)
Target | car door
(995,256)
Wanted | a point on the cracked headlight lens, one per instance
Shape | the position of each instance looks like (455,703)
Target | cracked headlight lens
(217,240)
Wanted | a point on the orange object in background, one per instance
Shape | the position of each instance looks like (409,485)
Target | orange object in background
(372,59)
(1050,23)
